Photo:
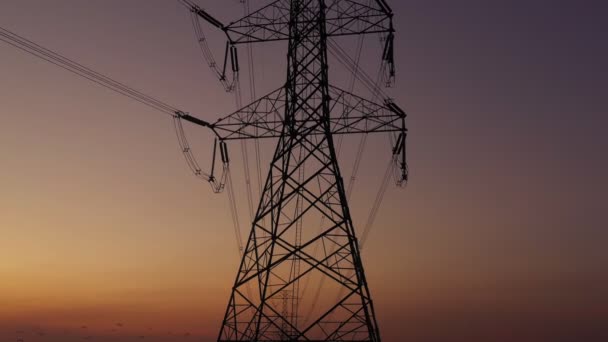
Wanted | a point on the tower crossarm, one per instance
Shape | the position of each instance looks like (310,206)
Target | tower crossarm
(350,114)
(353,114)
(261,119)
(271,22)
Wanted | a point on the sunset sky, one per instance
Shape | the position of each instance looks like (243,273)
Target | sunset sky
(501,234)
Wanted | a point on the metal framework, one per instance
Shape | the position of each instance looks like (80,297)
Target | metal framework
(302,231)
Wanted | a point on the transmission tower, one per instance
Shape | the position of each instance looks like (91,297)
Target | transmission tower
(302,231)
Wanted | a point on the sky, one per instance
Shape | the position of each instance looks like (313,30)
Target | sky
(500,234)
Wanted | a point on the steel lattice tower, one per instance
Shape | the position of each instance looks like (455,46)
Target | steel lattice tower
(302,232)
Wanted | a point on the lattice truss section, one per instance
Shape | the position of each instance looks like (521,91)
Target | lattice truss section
(302,191)
(343,18)
(350,113)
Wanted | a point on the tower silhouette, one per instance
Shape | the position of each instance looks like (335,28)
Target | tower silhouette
(302,232)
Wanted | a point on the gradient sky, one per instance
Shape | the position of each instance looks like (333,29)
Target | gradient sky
(501,234)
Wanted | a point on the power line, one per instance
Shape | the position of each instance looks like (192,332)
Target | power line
(76,68)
